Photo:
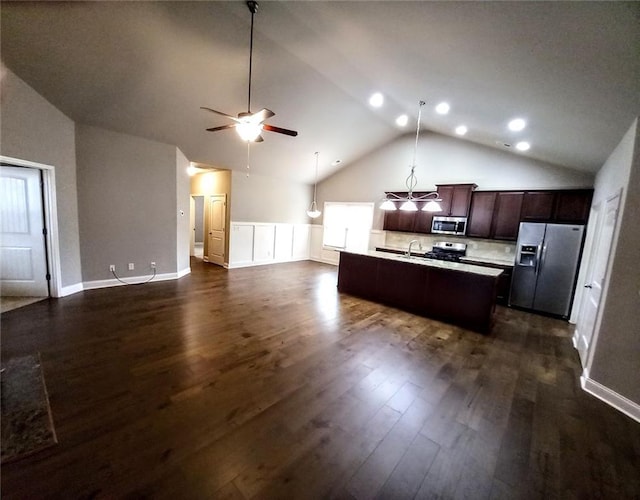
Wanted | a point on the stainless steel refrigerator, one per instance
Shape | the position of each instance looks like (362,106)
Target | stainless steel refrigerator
(546,265)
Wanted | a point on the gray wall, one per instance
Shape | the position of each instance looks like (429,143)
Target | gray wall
(266,199)
(183,195)
(127,203)
(441,160)
(616,351)
(33,129)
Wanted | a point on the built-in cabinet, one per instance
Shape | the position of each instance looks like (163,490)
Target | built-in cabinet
(495,214)
(563,206)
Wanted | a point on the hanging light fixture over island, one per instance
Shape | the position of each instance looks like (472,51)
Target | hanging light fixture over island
(313,211)
(409,201)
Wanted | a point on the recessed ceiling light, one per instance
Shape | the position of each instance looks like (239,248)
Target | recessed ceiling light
(376,100)
(402,120)
(523,146)
(336,162)
(517,124)
(442,108)
(461,130)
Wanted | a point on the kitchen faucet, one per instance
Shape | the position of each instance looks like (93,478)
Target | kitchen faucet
(410,244)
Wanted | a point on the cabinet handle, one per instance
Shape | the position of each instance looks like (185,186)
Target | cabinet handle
(588,286)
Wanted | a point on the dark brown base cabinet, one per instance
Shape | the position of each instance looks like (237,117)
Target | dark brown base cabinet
(461,298)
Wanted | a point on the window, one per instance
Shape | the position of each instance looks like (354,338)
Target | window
(347,225)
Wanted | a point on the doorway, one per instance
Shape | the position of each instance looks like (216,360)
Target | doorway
(198,226)
(597,272)
(216,241)
(24,273)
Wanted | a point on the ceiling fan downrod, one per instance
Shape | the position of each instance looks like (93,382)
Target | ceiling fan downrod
(253,8)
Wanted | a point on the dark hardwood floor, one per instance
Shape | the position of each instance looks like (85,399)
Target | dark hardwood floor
(265,382)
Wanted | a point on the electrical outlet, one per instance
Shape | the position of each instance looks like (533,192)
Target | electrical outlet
(131,266)
(153,265)
(112,268)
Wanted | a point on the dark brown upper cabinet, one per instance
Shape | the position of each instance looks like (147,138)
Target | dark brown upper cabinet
(399,220)
(481,214)
(573,206)
(506,217)
(456,199)
(562,206)
(495,215)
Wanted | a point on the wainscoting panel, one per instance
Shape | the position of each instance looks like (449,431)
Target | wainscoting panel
(258,243)
(264,236)
(284,241)
(241,245)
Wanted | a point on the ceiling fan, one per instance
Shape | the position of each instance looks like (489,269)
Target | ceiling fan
(248,124)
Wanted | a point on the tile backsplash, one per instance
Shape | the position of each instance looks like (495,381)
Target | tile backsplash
(488,249)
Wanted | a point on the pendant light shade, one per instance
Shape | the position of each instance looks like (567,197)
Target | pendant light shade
(409,201)
(409,206)
(432,206)
(313,211)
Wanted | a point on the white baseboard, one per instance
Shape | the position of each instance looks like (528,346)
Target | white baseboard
(324,261)
(252,263)
(132,280)
(71,289)
(184,272)
(610,397)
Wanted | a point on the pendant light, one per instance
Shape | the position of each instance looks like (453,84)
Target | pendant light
(313,211)
(409,202)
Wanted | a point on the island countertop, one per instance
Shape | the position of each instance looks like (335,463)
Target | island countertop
(442,264)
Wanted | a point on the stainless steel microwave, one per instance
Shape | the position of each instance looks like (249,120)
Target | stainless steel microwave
(449,225)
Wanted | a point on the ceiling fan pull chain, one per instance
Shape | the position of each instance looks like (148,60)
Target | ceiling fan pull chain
(248,156)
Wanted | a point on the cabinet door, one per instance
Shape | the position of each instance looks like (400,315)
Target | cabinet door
(460,200)
(446,194)
(506,219)
(537,206)
(399,220)
(481,214)
(573,206)
(423,220)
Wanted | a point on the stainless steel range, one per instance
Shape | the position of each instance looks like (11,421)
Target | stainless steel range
(443,250)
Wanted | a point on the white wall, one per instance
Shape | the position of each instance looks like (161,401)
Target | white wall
(614,357)
(33,129)
(442,160)
(127,204)
(265,199)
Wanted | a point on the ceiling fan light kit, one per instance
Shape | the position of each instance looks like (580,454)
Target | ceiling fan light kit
(409,201)
(249,125)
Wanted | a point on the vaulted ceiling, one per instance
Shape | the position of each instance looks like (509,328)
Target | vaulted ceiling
(571,69)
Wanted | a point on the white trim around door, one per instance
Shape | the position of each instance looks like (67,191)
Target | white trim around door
(51,221)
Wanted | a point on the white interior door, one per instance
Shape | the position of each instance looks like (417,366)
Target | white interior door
(217,230)
(596,275)
(23,259)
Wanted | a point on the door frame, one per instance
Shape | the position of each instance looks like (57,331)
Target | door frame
(52,240)
(207,228)
(607,274)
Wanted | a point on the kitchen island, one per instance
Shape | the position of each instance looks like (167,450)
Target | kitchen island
(457,293)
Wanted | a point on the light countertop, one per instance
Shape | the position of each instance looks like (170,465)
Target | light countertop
(492,260)
(421,261)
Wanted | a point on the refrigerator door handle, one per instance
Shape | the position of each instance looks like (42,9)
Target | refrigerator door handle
(539,251)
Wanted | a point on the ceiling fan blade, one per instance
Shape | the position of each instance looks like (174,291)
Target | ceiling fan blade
(223,127)
(285,131)
(261,115)
(220,113)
